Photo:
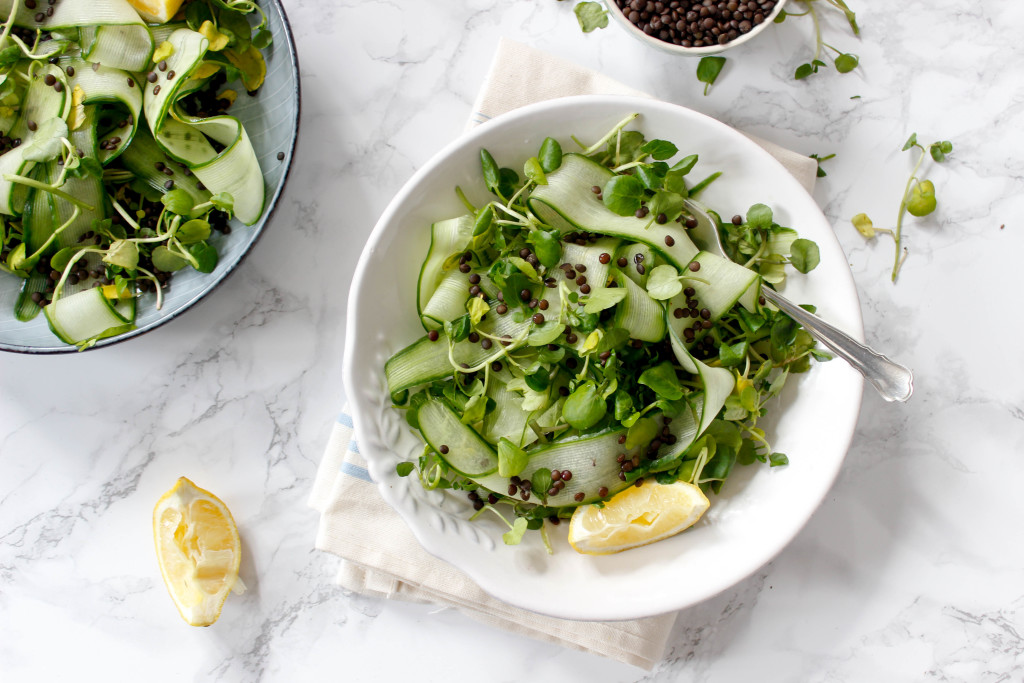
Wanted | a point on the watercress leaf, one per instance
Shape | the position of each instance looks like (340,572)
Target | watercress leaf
(663,381)
(641,432)
(921,200)
(668,203)
(60,260)
(87,167)
(550,155)
(602,298)
(178,201)
(708,69)
(675,181)
(614,338)
(263,39)
(911,141)
(9,55)
(205,255)
(804,255)
(628,146)
(538,381)
(223,201)
(816,63)
(591,16)
(167,260)
(685,165)
(864,225)
(404,469)
(659,149)
(540,481)
(731,355)
(196,13)
(458,329)
(845,63)
(545,333)
(122,253)
(195,230)
(525,267)
(622,194)
(759,217)
(46,144)
(508,179)
(547,246)
(484,221)
(477,308)
(803,71)
(623,404)
(663,282)
(649,176)
(476,408)
(783,334)
(533,170)
(584,407)
(491,171)
(515,535)
(778,459)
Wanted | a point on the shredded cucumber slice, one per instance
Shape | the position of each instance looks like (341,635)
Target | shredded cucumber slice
(86,315)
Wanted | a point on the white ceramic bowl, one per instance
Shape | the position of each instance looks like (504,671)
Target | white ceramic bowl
(671,48)
(760,509)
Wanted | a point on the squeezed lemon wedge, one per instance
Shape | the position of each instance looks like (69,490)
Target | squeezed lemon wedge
(198,549)
(156,11)
(636,516)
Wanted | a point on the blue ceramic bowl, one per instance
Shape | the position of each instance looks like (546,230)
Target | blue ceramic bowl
(271,119)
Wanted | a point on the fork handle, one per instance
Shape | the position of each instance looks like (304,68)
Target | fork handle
(893,381)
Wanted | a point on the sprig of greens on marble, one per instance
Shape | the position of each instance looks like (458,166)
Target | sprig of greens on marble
(918,199)
(844,62)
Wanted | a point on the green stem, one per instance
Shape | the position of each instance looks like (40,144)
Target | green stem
(608,136)
(898,233)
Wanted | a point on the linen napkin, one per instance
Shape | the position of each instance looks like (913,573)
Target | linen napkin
(383,558)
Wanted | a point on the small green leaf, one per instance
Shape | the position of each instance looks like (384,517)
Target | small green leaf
(845,63)
(123,253)
(491,171)
(685,165)
(404,469)
(759,217)
(584,407)
(263,39)
(591,16)
(205,255)
(659,149)
(803,71)
(178,201)
(515,535)
(223,201)
(663,282)
(484,221)
(622,194)
(778,459)
(602,298)
(195,230)
(167,260)
(477,308)
(550,155)
(533,170)
(663,381)
(731,355)
(864,225)
(708,69)
(546,246)
(804,255)
(921,200)
(911,141)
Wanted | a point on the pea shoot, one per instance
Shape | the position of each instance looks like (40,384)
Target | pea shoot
(844,62)
(918,199)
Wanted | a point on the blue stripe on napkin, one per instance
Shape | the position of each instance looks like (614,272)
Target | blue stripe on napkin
(346,420)
(356,471)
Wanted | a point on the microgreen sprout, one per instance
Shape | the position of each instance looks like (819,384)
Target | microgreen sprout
(918,199)
(844,62)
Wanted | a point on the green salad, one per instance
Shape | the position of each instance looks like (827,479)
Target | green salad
(118,159)
(577,341)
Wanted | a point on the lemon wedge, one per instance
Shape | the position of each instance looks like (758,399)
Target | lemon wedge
(156,11)
(636,516)
(198,549)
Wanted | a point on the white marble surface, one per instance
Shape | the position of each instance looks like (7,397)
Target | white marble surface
(913,568)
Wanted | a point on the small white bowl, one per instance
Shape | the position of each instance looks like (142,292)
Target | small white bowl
(671,48)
